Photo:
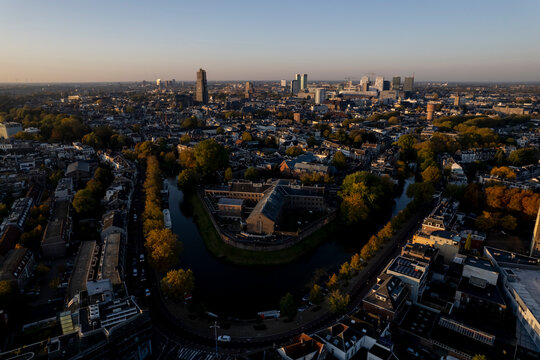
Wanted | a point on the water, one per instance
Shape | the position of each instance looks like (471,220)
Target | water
(240,291)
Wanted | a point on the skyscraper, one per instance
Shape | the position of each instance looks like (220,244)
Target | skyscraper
(320,95)
(283,83)
(408,85)
(364,83)
(303,82)
(295,87)
(379,83)
(201,91)
(396,82)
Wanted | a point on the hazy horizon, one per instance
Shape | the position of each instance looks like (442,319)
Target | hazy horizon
(464,41)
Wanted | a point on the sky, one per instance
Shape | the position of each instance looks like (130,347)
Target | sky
(115,40)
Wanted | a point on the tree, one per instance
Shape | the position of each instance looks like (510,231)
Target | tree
(422,191)
(356,262)
(246,136)
(178,283)
(344,271)
(252,174)
(333,282)
(338,302)
(294,151)
(287,306)
(432,174)
(8,293)
(84,202)
(210,156)
(219,130)
(406,143)
(485,222)
(163,248)
(479,357)
(524,156)
(339,161)
(316,295)
(187,159)
(503,172)
(508,222)
(311,141)
(228,174)
(185,139)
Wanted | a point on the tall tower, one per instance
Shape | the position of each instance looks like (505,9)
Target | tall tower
(201,91)
(379,83)
(303,82)
(320,95)
(430,110)
(249,89)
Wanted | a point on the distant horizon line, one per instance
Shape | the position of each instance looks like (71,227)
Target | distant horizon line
(275,80)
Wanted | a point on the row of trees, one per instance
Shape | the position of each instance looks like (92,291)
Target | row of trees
(104,137)
(162,244)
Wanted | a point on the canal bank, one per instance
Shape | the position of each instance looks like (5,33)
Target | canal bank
(236,291)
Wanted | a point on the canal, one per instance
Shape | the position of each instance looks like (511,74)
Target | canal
(239,291)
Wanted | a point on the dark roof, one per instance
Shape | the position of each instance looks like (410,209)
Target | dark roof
(78,166)
(9,239)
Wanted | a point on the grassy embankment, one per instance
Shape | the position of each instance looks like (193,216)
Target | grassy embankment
(238,256)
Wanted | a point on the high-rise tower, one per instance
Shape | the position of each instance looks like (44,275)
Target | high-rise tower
(201,91)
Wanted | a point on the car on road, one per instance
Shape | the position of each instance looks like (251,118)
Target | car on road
(224,338)
(134,272)
(412,352)
(134,217)
(141,258)
(147,292)
(306,297)
(303,308)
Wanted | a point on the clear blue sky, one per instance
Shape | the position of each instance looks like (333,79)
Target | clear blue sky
(57,40)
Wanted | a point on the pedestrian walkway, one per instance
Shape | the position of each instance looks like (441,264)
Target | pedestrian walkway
(185,353)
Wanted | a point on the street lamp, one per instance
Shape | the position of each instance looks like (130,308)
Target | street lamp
(215,326)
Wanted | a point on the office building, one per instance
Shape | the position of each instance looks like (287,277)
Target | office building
(379,83)
(408,85)
(295,87)
(430,111)
(396,82)
(320,95)
(9,129)
(364,83)
(201,92)
(303,82)
(283,83)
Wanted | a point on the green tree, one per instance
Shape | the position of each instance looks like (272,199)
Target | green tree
(294,151)
(178,283)
(210,156)
(228,174)
(407,143)
(219,130)
(422,191)
(252,174)
(524,156)
(188,178)
(85,202)
(338,302)
(316,295)
(311,141)
(287,306)
(508,222)
(339,161)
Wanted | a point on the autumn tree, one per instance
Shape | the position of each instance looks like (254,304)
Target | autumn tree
(333,282)
(178,283)
(294,151)
(316,295)
(163,248)
(356,262)
(431,174)
(338,302)
(228,174)
(344,271)
(503,172)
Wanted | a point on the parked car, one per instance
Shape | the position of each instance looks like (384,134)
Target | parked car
(141,258)
(134,272)
(224,338)
(147,292)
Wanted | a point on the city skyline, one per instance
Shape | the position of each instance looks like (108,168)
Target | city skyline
(102,42)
